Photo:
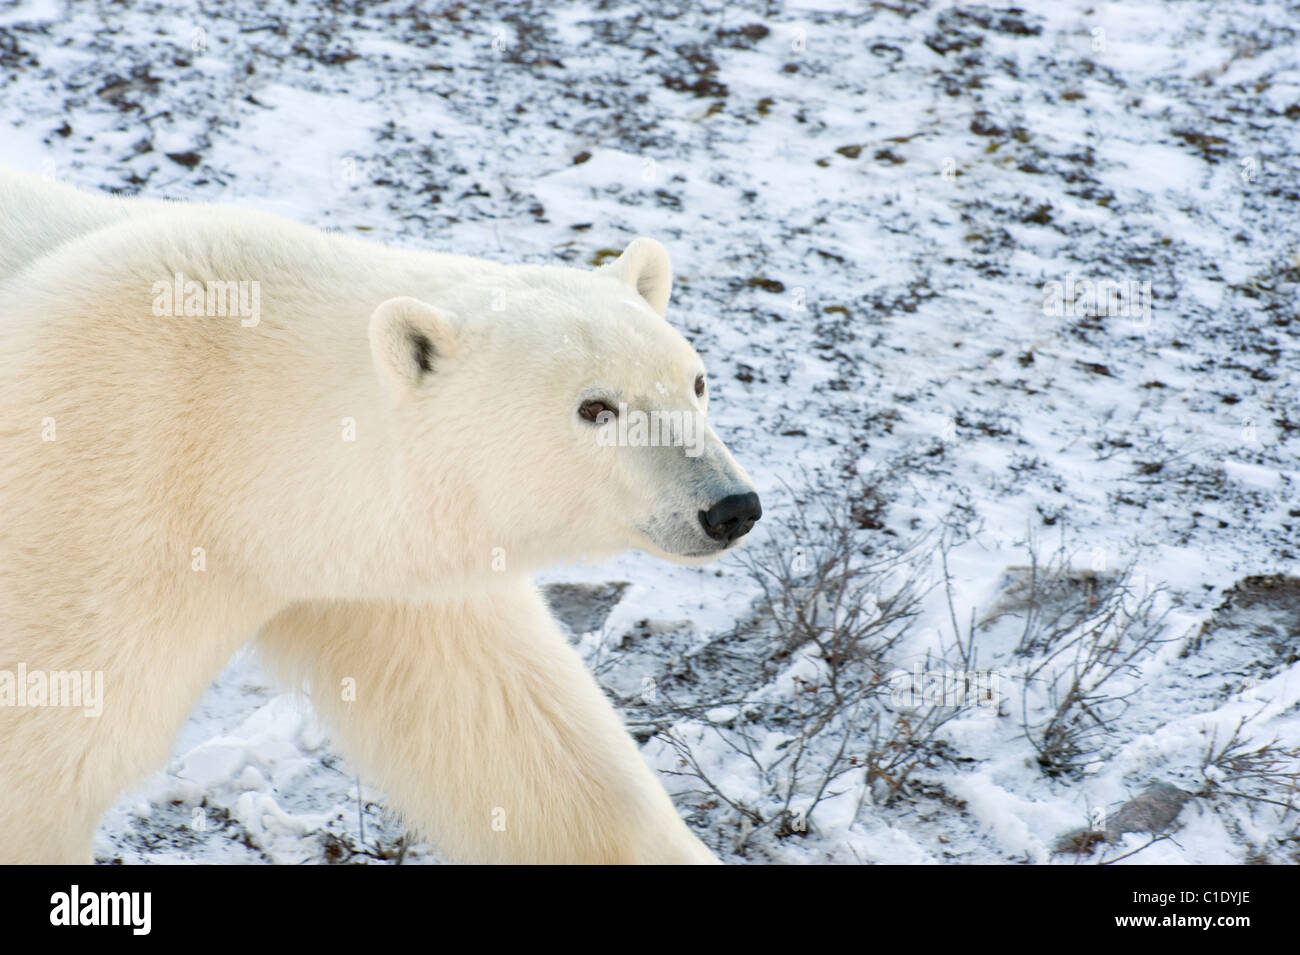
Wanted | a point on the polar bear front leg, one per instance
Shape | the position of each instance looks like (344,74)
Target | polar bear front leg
(127,676)
(484,728)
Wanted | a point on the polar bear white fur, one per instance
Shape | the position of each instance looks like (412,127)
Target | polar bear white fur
(365,470)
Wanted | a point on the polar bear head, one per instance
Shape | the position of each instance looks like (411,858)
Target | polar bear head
(549,413)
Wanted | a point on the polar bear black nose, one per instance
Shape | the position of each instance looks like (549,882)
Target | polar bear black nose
(732,517)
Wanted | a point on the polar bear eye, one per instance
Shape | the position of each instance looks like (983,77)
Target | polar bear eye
(592,410)
(699,386)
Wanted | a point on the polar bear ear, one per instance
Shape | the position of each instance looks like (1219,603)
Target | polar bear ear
(407,340)
(644,265)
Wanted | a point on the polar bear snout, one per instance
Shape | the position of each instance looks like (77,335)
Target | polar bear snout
(732,517)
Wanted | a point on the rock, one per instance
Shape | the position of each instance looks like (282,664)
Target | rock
(1263,611)
(1154,810)
(583,608)
(1065,597)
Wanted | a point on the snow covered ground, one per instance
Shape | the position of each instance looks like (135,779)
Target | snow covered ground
(884,218)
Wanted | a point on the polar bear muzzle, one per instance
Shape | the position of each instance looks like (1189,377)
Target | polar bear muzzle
(732,517)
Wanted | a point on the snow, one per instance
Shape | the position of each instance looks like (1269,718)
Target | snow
(912,204)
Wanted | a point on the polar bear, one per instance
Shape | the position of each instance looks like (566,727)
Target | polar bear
(361,455)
